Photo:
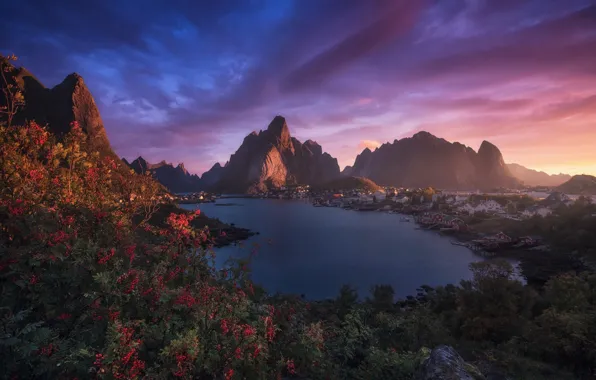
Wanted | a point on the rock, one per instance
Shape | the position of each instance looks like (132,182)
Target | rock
(59,106)
(176,179)
(425,160)
(444,363)
(273,158)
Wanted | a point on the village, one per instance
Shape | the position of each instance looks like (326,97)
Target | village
(475,220)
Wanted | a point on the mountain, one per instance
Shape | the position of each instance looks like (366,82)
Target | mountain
(425,160)
(176,179)
(348,183)
(532,177)
(273,158)
(59,106)
(579,184)
(212,176)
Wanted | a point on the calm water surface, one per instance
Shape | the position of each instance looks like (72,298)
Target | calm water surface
(315,250)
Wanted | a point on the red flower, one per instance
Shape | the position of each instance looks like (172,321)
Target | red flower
(229,373)
(224,326)
(105,257)
(185,299)
(291,367)
(47,350)
(137,367)
(128,356)
(256,352)
(64,316)
(33,280)
(249,330)
(98,359)
(130,252)
(35,175)
(114,315)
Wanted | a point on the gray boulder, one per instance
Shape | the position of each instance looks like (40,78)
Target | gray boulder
(444,363)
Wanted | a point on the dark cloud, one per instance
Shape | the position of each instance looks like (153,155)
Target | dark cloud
(174,77)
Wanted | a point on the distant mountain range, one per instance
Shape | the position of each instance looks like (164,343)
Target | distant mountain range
(176,179)
(579,184)
(532,177)
(273,158)
(425,160)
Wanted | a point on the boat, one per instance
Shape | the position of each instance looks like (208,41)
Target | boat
(404,219)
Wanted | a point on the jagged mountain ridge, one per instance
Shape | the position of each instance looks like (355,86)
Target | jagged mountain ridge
(57,107)
(273,158)
(175,178)
(425,160)
(531,177)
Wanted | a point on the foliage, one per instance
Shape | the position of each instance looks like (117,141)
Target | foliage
(98,283)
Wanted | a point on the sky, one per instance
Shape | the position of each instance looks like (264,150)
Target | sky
(186,81)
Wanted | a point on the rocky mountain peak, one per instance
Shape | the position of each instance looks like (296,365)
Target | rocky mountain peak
(314,147)
(426,160)
(424,135)
(488,149)
(279,131)
(274,158)
(59,106)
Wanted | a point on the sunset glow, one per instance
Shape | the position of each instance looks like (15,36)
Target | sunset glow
(186,84)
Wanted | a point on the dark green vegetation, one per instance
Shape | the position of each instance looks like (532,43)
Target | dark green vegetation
(100,279)
(348,183)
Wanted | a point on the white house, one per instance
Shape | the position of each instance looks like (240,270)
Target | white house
(461,198)
(468,208)
(490,206)
(403,199)
(537,211)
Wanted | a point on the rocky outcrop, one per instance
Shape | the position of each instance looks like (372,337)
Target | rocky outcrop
(175,178)
(444,363)
(531,177)
(59,106)
(425,160)
(273,158)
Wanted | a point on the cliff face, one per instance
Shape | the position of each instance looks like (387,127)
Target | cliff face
(532,177)
(59,106)
(176,179)
(425,160)
(273,158)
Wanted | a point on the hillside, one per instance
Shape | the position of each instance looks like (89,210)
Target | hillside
(531,177)
(579,184)
(425,160)
(348,183)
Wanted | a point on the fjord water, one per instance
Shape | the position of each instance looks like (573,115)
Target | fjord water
(315,250)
